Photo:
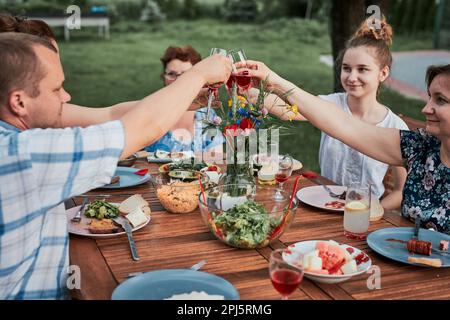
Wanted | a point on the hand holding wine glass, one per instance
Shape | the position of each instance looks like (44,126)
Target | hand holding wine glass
(242,78)
(285,165)
(213,87)
(285,277)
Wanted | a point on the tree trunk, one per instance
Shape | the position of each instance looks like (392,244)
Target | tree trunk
(383,4)
(346,16)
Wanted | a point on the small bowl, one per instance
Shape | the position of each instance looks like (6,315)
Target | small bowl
(262,224)
(128,162)
(176,195)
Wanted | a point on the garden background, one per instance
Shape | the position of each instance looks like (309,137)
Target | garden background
(288,35)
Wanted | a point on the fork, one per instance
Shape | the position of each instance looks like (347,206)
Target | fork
(77,217)
(312,175)
(331,193)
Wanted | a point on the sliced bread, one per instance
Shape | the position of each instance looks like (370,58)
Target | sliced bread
(131,203)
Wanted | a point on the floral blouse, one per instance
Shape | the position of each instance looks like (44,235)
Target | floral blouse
(427,188)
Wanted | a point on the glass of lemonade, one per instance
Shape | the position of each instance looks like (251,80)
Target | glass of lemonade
(357,211)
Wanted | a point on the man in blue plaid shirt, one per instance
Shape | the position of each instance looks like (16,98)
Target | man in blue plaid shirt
(40,167)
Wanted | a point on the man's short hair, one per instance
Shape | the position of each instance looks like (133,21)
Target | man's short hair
(20,67)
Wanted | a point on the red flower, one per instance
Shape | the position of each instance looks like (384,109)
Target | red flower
(233,130)
(246,124)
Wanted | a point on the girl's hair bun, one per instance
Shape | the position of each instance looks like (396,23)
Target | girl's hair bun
(376,29)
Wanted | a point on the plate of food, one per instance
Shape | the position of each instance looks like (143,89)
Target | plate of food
(98,218)
(176,284)
(430,249)
(126,177)
(318,197)
(161,156)
(188,165)
(327,261)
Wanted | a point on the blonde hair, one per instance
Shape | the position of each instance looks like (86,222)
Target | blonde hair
(379,38)
(375,34)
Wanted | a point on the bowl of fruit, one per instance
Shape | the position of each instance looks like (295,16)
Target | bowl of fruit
(327,261)
(245,215)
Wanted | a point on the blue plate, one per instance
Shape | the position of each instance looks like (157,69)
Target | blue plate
(162,284)
(397,251)
(127,178)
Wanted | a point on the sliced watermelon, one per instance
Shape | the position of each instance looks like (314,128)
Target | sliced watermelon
(322,246)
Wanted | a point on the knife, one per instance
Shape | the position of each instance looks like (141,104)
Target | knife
(128,229)
(416,228)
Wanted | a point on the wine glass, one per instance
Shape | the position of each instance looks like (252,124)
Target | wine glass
(214,86)
(242,79)
(285,277)
(284,171)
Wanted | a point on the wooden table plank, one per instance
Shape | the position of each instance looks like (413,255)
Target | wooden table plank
(97,281)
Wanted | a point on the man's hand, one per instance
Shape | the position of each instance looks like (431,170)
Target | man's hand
(214,69)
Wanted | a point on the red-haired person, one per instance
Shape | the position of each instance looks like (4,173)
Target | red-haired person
(188,134)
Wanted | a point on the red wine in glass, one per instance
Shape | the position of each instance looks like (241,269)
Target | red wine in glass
(242,79)
(285,277)
(281,177)
(285,281)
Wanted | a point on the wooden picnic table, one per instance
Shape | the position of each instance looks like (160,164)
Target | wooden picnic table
(181,240)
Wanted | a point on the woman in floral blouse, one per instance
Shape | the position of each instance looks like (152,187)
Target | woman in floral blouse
(426,153)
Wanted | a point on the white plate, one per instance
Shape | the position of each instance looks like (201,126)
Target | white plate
(81,228)
(183,156)
(304,247)
(317,197)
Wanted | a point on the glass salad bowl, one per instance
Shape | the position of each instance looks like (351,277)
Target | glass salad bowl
(178,192)
(244,215)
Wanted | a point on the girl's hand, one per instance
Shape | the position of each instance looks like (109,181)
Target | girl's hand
(261,72)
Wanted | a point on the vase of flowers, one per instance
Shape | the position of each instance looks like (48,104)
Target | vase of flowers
(242,119)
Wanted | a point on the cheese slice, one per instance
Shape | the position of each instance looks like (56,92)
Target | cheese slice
(136,217)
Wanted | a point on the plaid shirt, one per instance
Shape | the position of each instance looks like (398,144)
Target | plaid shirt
(39,169)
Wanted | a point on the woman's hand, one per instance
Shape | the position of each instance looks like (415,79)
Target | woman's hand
(258,70)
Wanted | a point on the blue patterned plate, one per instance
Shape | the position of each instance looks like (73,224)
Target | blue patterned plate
(163,284)
(397,251)
(128,178)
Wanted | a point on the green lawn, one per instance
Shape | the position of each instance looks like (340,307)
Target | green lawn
(127,67)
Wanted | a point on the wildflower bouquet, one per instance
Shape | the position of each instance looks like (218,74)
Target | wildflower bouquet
(245,114)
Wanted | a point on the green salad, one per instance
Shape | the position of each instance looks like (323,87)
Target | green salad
(246,225)
(101,209)
(187,165)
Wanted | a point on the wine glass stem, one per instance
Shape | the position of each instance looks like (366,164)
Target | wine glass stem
(208,107)
(281,186)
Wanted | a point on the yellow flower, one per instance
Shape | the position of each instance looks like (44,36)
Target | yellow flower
(290,119)
(230,103)
(242,99)
(293,108)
